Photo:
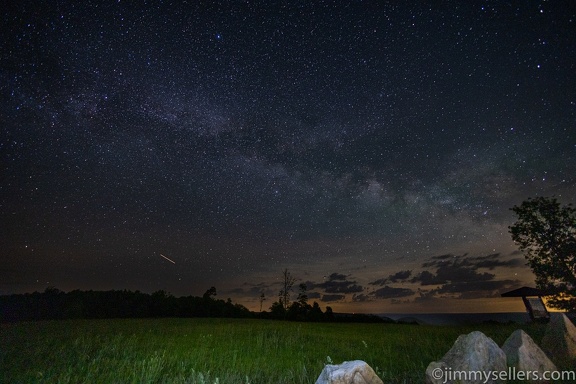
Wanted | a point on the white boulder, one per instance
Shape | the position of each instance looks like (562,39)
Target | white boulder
(525,355)
(349,372)
(559,340)
(471,359)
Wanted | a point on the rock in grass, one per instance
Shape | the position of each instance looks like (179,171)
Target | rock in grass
(349,372)
(470,360)
(559,340)
(525,355)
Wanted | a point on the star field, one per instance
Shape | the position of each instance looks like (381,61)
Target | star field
(354,143)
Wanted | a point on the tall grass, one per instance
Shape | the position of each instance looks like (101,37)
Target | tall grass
(220,350)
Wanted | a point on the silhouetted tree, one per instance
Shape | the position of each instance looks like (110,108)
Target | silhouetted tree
(546,233)
(299,309)
(211,306)
(277,310)
(315,313)
(262,299)
(287,283)
(302,295)
(329,314)
(210,293)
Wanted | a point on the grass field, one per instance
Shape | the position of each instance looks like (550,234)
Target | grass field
(221,350)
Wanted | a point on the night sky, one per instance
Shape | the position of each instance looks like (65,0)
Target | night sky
(371,148)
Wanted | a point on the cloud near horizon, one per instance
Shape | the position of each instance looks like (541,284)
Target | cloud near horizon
(338,283)
(444,276)
(400,276)
(459,276)
(447,276)
(392,293)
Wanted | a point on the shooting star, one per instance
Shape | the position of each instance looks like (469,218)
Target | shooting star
(170,260)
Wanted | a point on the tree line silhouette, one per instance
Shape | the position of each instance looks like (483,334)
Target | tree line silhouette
(54,304)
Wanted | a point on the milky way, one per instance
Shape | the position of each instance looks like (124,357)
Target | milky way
(372,148)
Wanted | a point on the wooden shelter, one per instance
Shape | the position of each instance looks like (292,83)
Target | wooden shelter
(532,298)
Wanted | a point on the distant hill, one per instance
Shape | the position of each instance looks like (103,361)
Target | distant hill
(459,318)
